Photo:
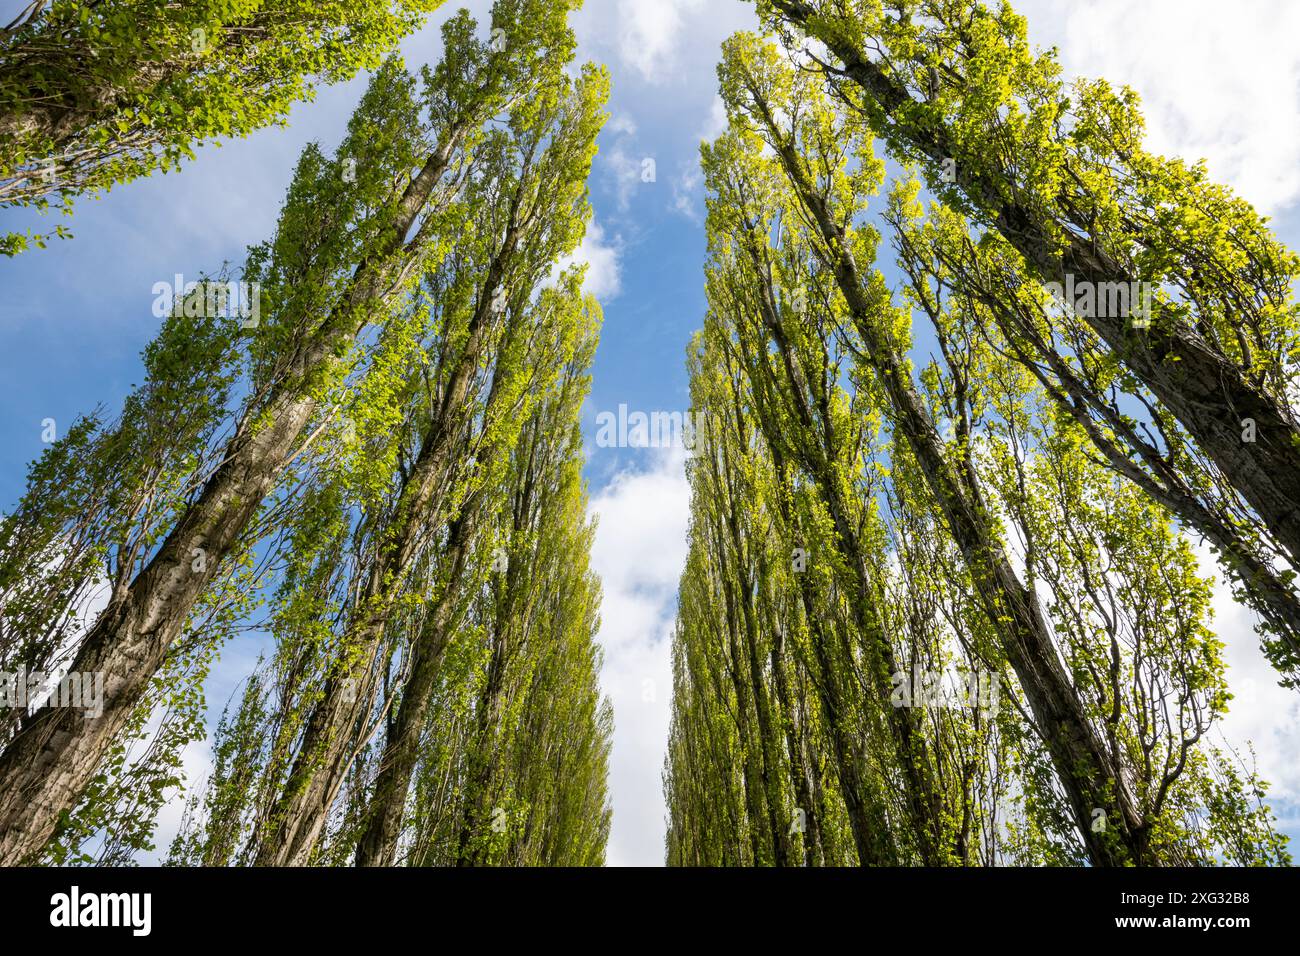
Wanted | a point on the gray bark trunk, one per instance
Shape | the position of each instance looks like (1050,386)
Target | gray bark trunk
(378,844)
(328,742)
(48,765)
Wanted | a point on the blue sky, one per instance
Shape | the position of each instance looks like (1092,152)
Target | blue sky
(74,317)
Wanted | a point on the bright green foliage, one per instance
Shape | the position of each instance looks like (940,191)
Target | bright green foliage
(1044,182)
(962,74)
(512,761)
(525,210)
(438,619)
(98,497)
(97,94)
(531,630)
(944,263)
(352,458)
(97,501)
(816,499)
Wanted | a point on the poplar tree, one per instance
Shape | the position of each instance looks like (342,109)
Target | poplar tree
(526,212)
(942,259)
(756,85)
(357,232)
(1002,549)
(1070,196)
(97,94)
(510,753)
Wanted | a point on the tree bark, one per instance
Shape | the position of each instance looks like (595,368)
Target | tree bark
(378,843)
(324,757)
(798,774)
(52,759)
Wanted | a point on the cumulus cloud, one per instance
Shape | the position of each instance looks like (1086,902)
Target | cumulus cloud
(639,552)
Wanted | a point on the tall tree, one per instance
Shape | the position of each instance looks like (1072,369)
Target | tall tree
(941,259)
(527,211)
(756,85)
(537,612)
(347,251)
(97,94)
(1074,194)
(1005,550)
(510,753)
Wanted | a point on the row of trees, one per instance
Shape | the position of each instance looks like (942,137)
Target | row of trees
(1197,402)
(382,476)
(1014,514)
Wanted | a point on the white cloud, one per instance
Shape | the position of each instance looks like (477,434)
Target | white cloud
(604,278)
(717,121)
(639,553)
(623,171)
(1226,88)
(621,123)
(196,768)
(1261,713)
(687,194)
(650,31)
(649,46)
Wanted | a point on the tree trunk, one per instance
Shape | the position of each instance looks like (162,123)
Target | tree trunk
(378,844)
(798,775)
(1092,781)
(49,763)
(327,745)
